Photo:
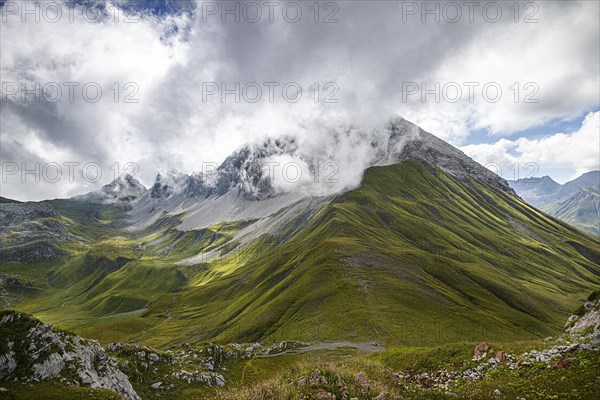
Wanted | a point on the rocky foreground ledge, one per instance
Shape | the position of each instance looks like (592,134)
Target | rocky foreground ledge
(30,351)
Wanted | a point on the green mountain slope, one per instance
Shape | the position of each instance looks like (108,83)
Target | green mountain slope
(413,256)
(582,209)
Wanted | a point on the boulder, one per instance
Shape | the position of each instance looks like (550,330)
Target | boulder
(315,377)
(480,349)
(500,356)
(361,379)
(323,395)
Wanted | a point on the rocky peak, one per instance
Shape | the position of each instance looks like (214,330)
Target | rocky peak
(407,141)
(168,184)
(124,188)
(247,170)
(243,170)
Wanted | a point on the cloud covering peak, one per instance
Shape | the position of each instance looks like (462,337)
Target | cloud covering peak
(178,85)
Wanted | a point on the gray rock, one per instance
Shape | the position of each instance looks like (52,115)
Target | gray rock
(589,319)
(7,364)
(595,337)
(114,346)
(207,378)
(59,353)
(51,367)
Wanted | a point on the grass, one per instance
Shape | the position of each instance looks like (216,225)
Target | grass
(342,370)
(54,391)
(483,264)
(413,257)
(277,377)
(536,382)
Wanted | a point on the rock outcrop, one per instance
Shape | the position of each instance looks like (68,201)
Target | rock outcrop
(31,351)
(587,317)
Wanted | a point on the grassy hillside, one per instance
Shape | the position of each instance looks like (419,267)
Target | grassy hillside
(412,257)
(78,229)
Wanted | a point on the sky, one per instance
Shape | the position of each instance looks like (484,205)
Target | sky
(91,90)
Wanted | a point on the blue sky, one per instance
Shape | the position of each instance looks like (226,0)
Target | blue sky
(549,128)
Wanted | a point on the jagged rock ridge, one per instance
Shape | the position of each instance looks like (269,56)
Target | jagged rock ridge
(32,351)
(587,317)
(245,170)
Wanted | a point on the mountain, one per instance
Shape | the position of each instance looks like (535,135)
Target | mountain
(30,231)
(6,200)
(581,209)
(38,230)
(430,247)
(124,188)
(242,172)
(589,179)
(232,191)
(537,191)
(427,148)
(364,264)
(575,202)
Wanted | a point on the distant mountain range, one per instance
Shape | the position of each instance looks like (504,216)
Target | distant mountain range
(577,202)
(430,247)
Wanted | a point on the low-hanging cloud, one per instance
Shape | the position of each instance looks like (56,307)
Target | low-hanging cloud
(368,55)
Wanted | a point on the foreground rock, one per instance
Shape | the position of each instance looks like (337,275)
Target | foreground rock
(583,335)
(587,318)
(30,351)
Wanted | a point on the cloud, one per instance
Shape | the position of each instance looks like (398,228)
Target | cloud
(546,71)
(576,152)
(373,49)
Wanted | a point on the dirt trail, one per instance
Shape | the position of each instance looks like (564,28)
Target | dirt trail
(360,347)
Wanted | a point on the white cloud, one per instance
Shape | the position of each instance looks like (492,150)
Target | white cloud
(575,153)
(368,54)
(558,57)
